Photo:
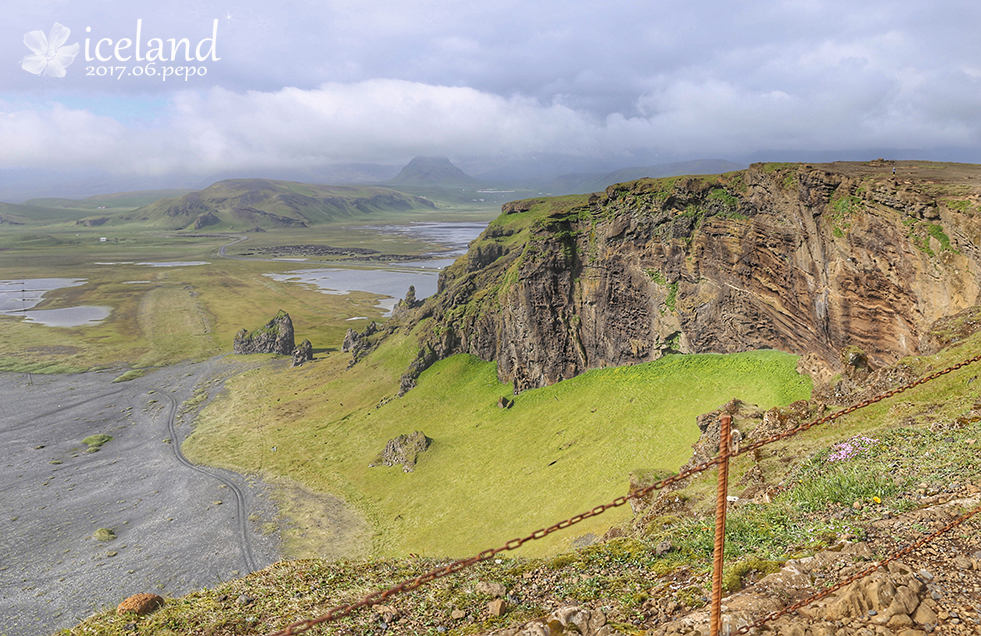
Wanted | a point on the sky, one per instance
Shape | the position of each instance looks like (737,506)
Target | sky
(304,85)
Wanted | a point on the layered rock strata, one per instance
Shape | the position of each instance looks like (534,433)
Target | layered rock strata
(808,260)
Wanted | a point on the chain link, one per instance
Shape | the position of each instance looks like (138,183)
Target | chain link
(374,598)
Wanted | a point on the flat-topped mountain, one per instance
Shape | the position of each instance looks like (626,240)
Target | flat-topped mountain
(804,259)
(433,171)
(264,203)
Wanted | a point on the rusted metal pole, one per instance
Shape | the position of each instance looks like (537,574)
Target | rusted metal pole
(725,427)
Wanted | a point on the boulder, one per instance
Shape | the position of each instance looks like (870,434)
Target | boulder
(403,450)
(491,589)
(140,604)
(276,336)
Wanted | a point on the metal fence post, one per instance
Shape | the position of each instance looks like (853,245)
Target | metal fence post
(725,426)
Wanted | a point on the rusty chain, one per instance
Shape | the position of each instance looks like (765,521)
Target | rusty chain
(374,598)
(860,575)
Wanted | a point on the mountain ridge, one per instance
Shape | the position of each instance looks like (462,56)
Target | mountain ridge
(265,203)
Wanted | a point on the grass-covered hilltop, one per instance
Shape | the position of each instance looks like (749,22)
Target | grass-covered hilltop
(577,352)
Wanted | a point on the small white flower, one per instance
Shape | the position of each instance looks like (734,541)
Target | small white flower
(50,56)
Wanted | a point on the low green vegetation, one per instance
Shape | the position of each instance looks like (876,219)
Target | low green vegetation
(104,534)
(842,208)
(132,374)
(723,197)
(95,442)
(920,233)
(672,296)
(734,575)
(937,232)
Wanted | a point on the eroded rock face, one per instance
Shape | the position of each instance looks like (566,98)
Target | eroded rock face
(796,258)
(276,336)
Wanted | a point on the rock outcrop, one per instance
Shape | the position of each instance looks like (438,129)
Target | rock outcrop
(407,304)
(894,600)
(276,336)
(360,344)
(403,450)
(302,353)
(808,260)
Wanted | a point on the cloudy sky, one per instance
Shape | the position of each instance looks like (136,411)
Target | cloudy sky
(304,84)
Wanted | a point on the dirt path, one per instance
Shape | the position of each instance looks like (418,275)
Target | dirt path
(241,501)
(179,527)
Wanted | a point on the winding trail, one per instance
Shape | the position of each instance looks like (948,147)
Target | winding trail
(241,508)
(239,239)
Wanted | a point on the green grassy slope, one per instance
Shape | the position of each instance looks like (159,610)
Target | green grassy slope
(490,473)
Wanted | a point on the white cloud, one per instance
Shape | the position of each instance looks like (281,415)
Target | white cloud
(346,81)
(378,120)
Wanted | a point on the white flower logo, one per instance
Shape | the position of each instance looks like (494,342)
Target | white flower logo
(50,57)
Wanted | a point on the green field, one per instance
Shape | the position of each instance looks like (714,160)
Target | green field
(166,315)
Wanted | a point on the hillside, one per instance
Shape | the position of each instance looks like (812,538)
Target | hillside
(584,183)
(33,213)
(826,503)
(244,204)
(804,259)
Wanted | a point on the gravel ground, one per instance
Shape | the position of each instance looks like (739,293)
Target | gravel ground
(179,527)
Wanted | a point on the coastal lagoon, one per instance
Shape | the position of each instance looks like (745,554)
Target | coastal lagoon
(393,281)
(19,297)
(390,283)
(455,236)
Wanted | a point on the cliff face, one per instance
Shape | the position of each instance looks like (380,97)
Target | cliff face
(803,259)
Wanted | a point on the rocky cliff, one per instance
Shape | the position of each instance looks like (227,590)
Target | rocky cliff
(805,259)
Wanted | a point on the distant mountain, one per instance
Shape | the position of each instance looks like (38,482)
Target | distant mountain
(587,182)
(243,204)
(339,174)
(115,201)
(37,213)
(434,172)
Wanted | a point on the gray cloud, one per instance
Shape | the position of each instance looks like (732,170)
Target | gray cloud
(312,84)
